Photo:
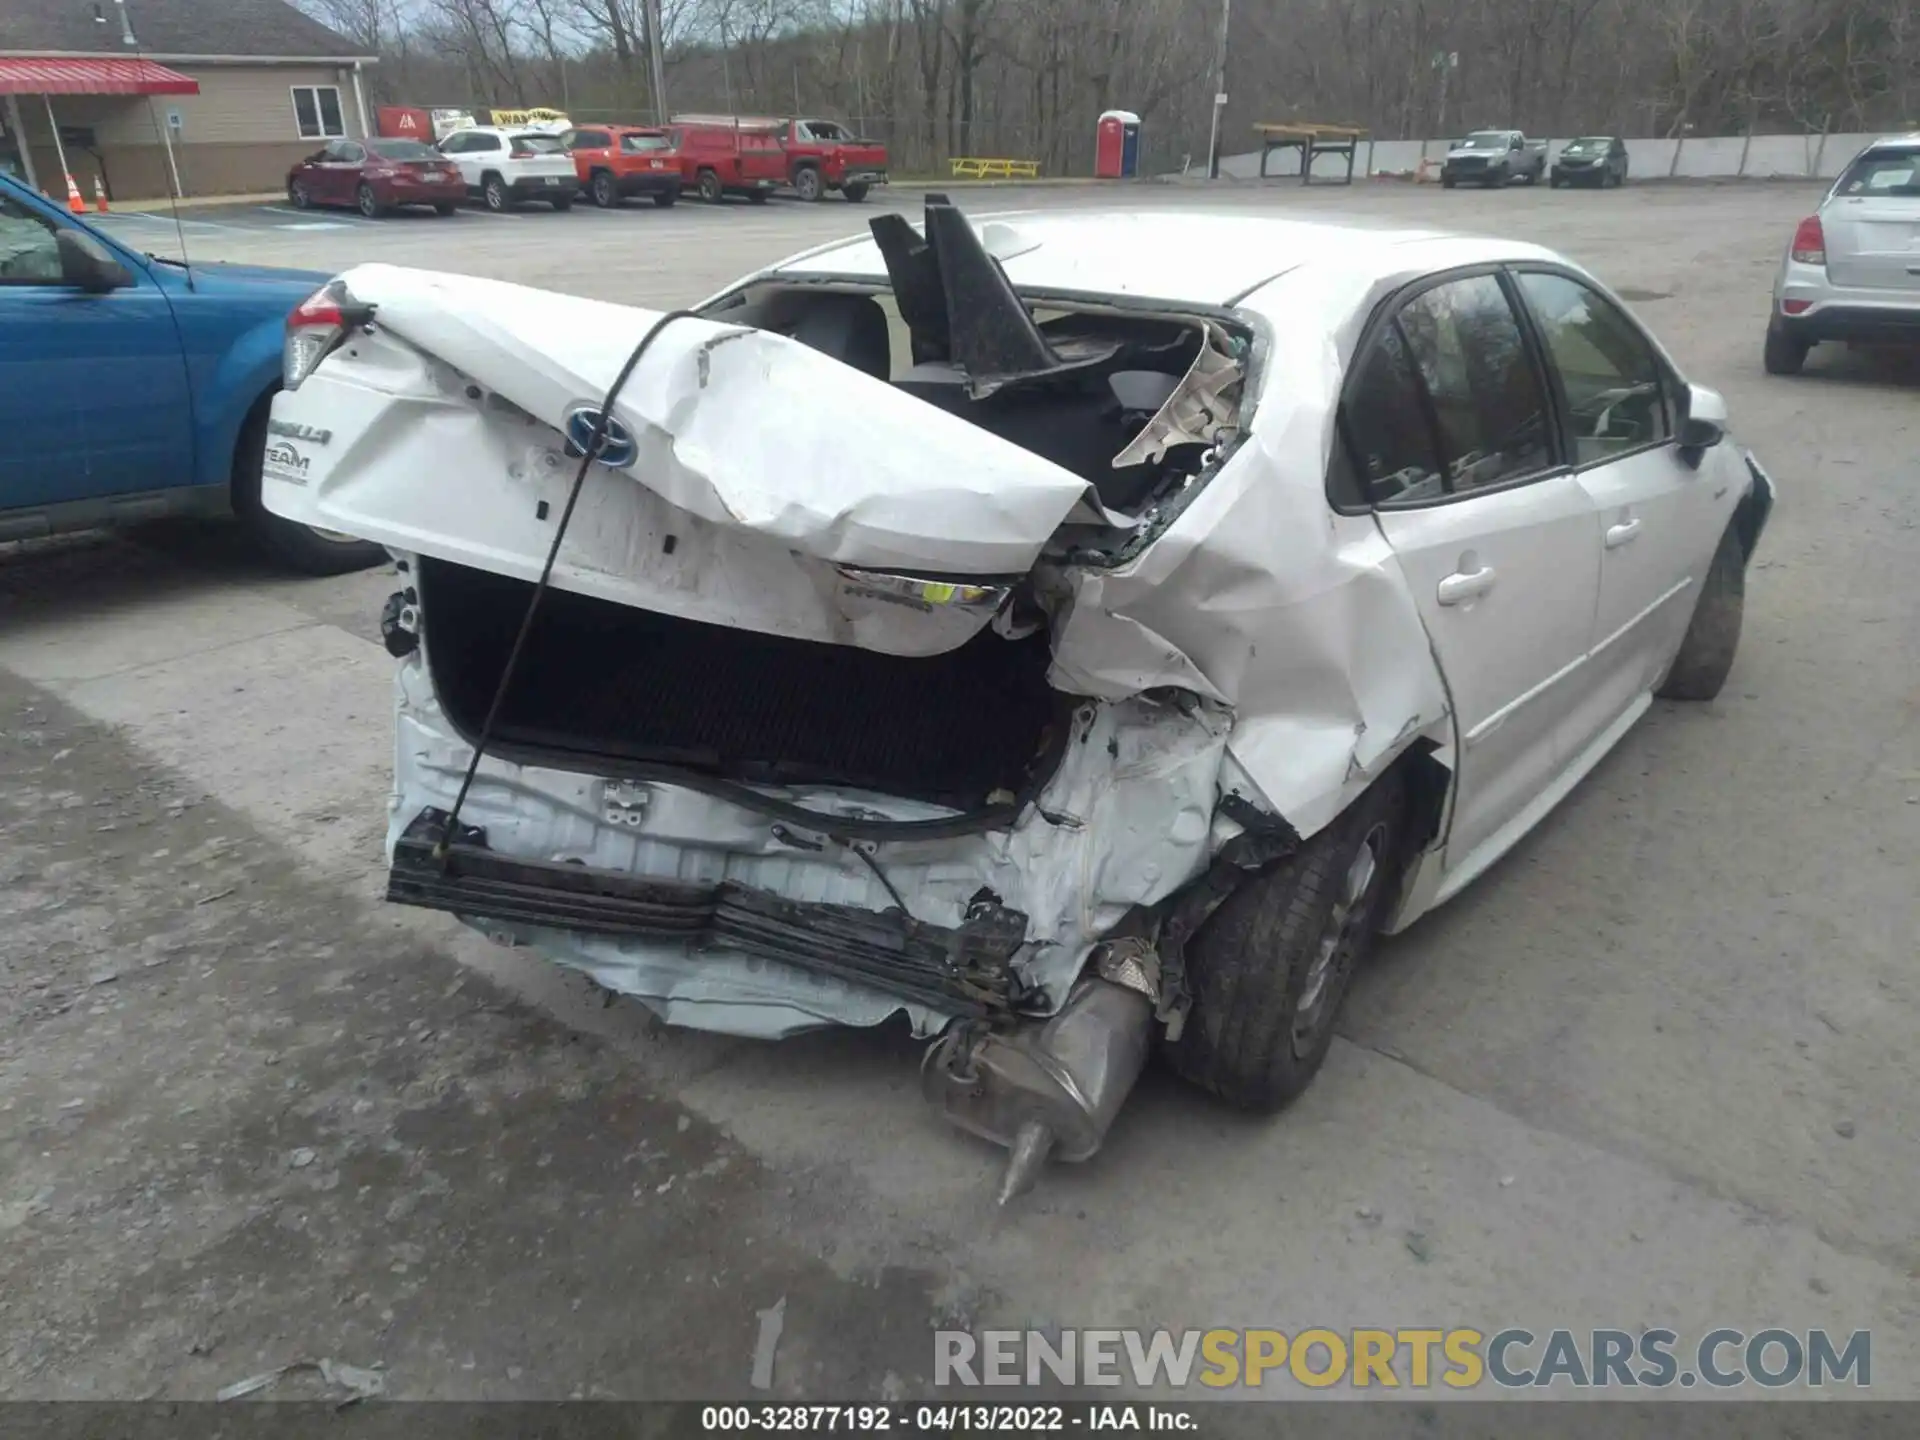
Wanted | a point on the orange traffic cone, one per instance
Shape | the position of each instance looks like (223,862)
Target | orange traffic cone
(74,202)
(99,197)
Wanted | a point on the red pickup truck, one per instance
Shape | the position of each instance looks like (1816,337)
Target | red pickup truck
(725,154)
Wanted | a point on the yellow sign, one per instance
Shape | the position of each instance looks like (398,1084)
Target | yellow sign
(538,115)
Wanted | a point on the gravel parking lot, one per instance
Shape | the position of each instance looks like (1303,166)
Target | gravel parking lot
(1657,1069)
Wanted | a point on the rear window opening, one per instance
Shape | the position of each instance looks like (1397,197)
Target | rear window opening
(1138,404)
(1083,418)
(402,150)
(603,683)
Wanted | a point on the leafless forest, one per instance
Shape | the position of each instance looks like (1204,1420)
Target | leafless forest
(1026,78)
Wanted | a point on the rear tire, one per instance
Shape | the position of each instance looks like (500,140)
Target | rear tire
(711,190)
(298,196)
(603,191)
(1447,182)
(298,547)
(1269,969)
(759,197)
(807,184)
(561,204)
(666,199)
(368,203)
(1705,658)
(493,192)
(444,209)
(856,193)
(1784,355)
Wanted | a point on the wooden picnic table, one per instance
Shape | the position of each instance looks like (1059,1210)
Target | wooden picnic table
(1310,139)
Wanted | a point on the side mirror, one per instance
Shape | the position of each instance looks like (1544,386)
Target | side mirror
(1704,424)
(87,265)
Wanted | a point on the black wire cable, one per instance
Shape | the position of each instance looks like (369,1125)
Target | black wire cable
(592,451)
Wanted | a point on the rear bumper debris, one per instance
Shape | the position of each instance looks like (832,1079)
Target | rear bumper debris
(961,971)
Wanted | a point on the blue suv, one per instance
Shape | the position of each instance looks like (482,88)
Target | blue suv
(133,387)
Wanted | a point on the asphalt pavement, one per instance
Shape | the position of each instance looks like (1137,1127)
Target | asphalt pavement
(1657,1068)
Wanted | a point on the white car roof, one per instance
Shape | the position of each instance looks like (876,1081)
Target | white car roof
(1182,256)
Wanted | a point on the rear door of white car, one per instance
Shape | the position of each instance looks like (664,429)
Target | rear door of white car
(1657,519)
(1448,428)
(1872,221)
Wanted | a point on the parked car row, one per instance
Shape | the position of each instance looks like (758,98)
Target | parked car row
(1497,158)
(501,167)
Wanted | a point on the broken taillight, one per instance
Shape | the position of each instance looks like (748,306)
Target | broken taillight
(1810,242)
(315,329)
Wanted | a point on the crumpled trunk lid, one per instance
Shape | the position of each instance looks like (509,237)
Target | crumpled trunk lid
(744,429)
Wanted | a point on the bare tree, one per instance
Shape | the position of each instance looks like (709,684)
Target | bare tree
(1028,78)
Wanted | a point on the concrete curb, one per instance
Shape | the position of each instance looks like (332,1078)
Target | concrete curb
(192,202)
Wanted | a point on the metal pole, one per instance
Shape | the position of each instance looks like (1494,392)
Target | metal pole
(173,166)
(360,100)
(1219,91)
(19,128)
(656,60)
(58,149)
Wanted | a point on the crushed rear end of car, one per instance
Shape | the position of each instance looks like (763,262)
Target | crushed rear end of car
(845,698)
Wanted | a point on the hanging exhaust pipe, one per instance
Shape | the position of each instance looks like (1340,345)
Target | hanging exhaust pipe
(1052,1087)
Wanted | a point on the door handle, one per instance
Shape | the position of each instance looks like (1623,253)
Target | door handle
(1460,587)
(1618,535)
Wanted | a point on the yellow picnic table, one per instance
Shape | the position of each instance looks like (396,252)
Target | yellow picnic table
(972,167)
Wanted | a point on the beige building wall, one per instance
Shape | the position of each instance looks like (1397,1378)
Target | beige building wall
(239,135)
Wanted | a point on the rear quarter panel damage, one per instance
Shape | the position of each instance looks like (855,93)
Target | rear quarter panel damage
(1262,597)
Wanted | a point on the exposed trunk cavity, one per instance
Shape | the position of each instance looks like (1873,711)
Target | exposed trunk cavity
(601,683)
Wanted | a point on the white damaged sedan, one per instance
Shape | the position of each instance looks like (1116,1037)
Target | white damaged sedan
(1069,631)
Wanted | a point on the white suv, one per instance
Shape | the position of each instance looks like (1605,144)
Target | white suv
(1852,272)
(503,167)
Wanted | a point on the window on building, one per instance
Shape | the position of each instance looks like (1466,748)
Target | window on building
(316,110)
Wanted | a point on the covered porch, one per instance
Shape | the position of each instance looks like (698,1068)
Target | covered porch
(76,116)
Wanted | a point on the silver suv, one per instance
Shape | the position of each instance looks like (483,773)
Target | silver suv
(1853,270)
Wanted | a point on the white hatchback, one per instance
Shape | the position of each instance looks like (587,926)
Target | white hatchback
(503,167)
(1069,632)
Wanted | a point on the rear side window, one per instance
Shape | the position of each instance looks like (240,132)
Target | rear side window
(1883,172)
(1385,429)
(540,144)
(1472,359)
(590,140)
(643,142)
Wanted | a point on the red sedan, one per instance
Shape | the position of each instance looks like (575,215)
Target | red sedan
(374,176)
